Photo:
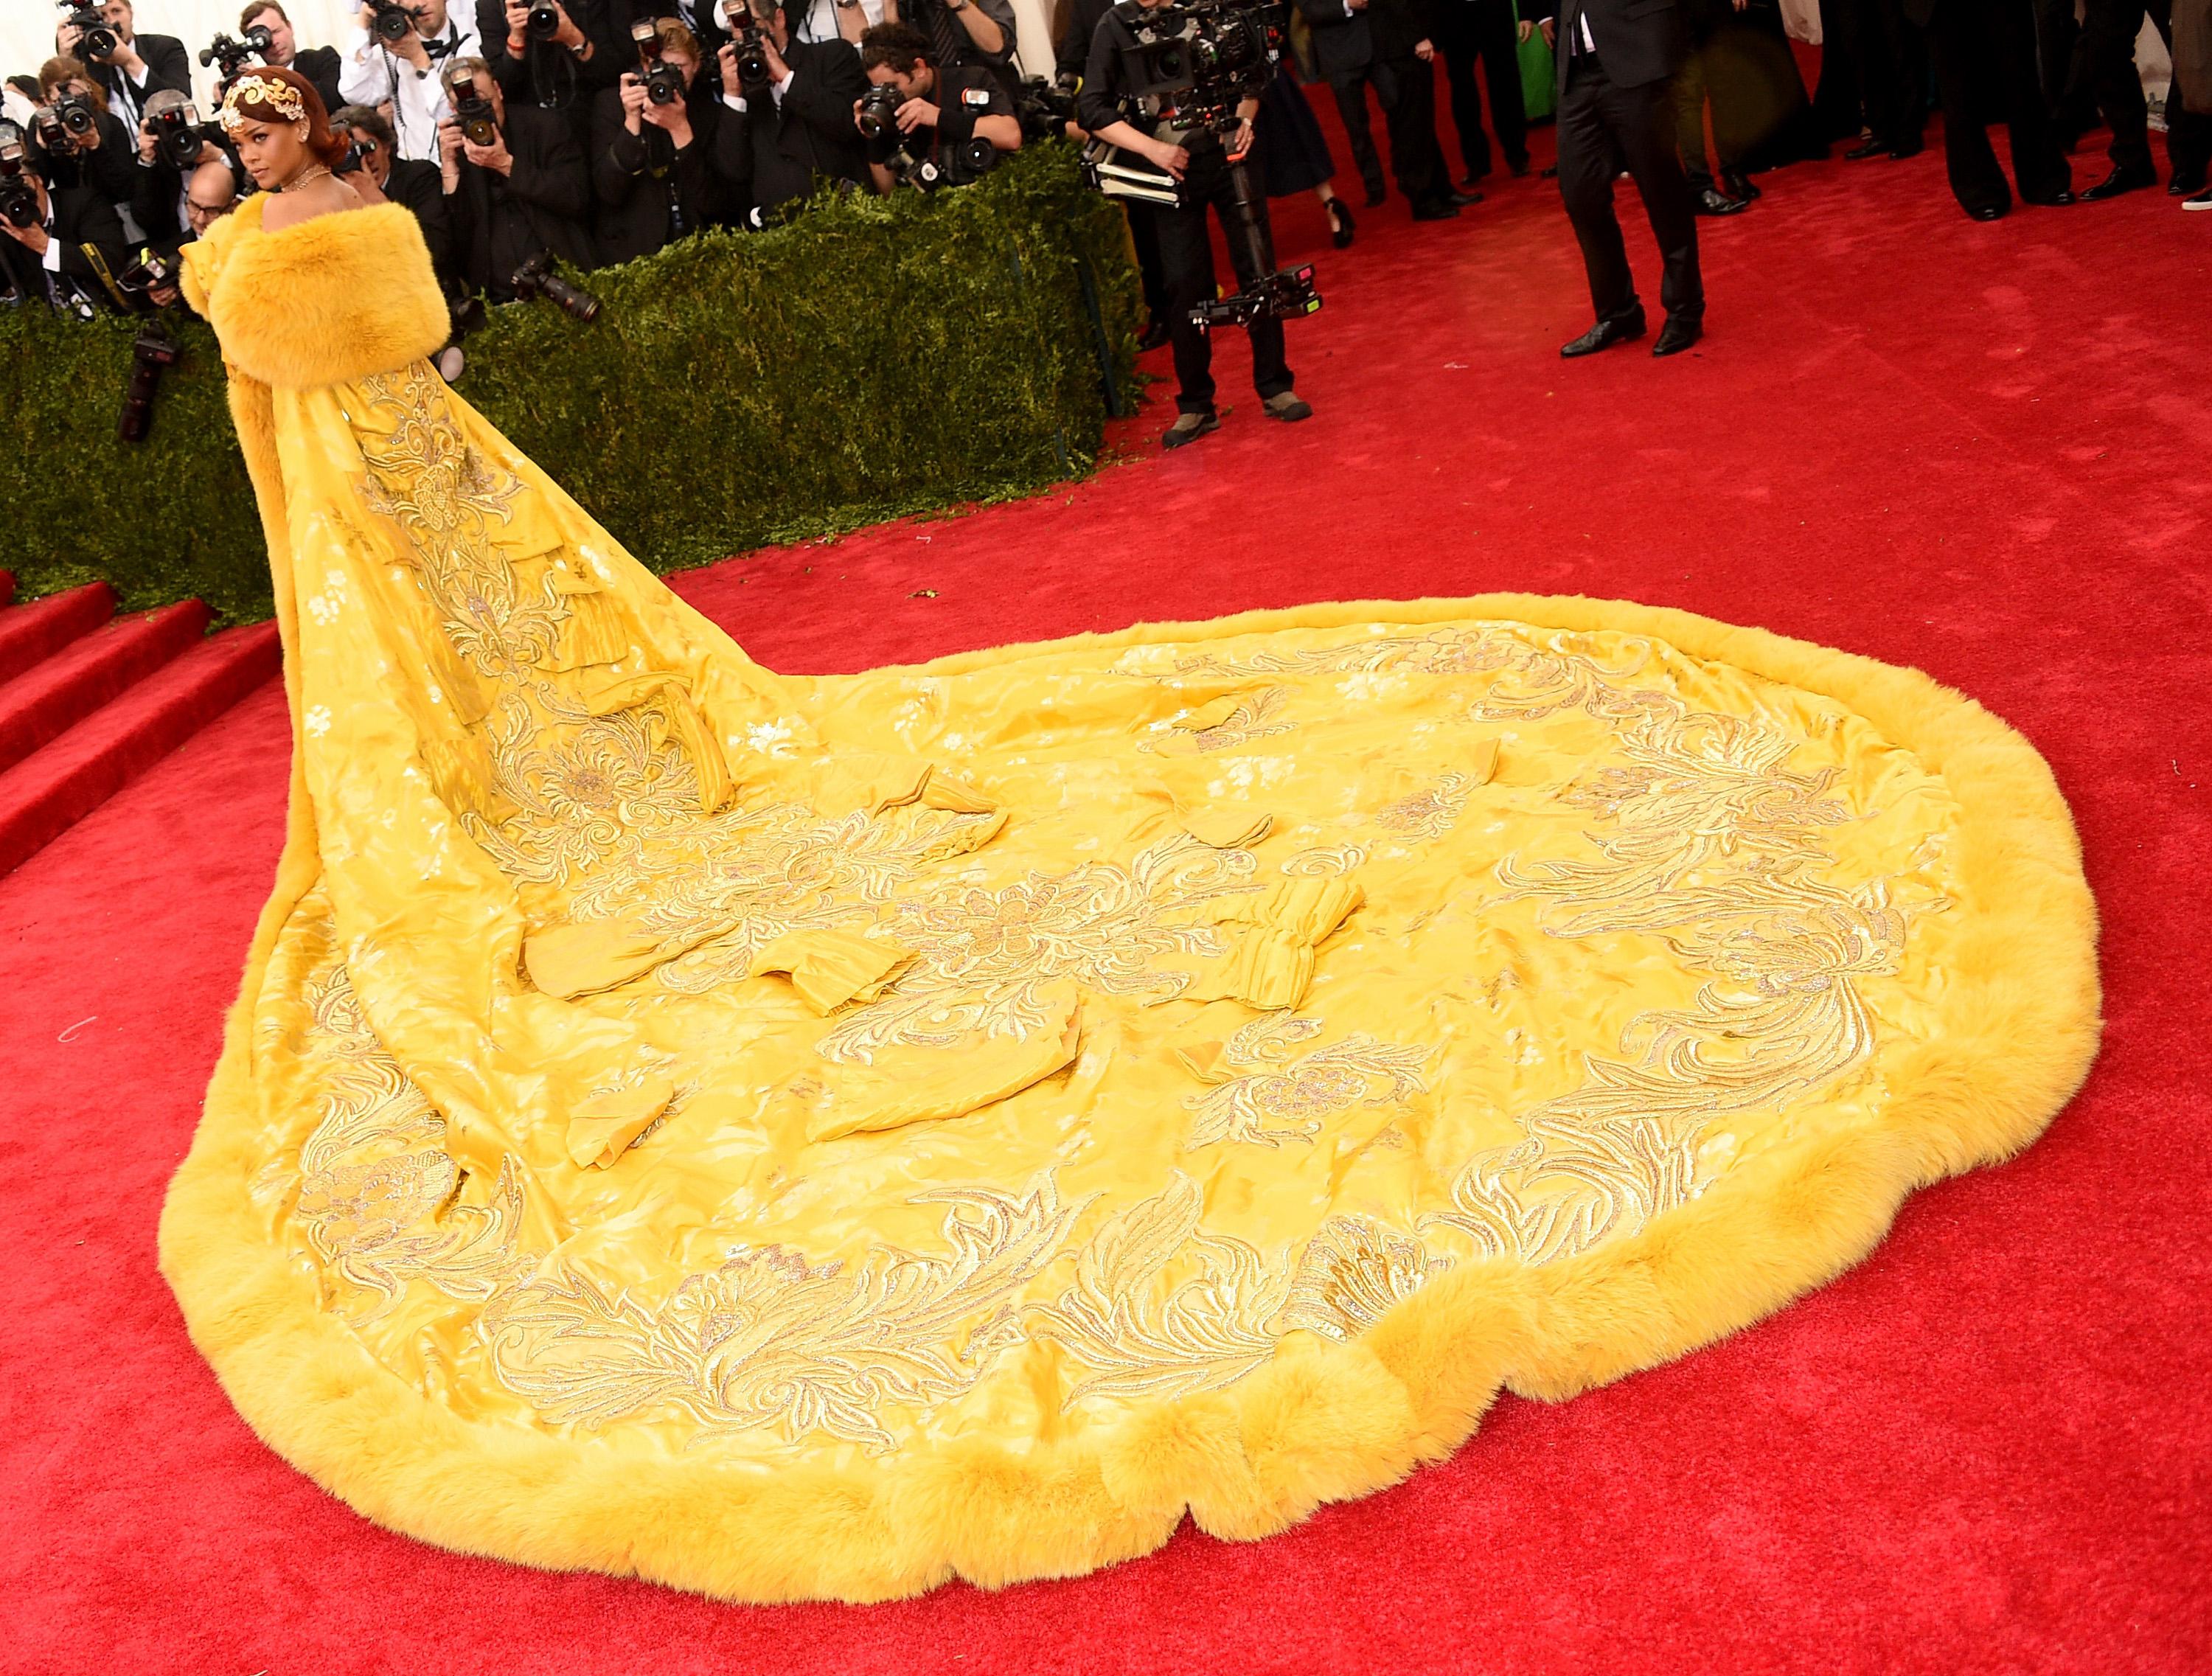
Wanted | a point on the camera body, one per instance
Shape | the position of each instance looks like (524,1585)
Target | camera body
(473,112)
(664,83)
(1195,62)
(19,198)
(391,21)
(98,43)
(1045,108)
(879,109)
(545,22)
(536,278)
(77,114)
(229,57)
(154,351)
(178,135)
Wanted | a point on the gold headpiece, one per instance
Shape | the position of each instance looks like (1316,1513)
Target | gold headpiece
(281,97)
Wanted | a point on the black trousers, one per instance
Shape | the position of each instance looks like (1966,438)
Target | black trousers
(1603,128)
(2109,29)
(1407,88)
(1349,87)
(1471,29)
(1187,259)
(1690,92)
(1984,51)
(1144,239)
(2063,61)
(1893,58)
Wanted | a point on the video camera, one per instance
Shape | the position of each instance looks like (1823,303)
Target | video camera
(1045,108)
(229,57)
(664,83)
(391,20)
(19,198)
(97,43)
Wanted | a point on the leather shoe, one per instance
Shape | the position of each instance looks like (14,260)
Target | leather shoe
(2184,186)
(1377,198)
(1712,203)
(1736,184)
(1898,154)
(1866,148)
(2056,201)
(1604,335)
(1442,210)
(1462,198)
(1474,177)
(1518,167)
(1988,212)
(1678,334)
(2126,178)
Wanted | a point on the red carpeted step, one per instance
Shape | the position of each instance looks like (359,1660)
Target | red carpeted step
(31,633)
(53,695)
(55,788)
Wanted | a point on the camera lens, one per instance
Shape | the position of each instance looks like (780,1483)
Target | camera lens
(544,22)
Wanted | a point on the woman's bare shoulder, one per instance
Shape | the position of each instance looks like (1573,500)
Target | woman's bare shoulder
(325,197)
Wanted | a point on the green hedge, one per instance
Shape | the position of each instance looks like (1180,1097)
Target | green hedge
(875,358)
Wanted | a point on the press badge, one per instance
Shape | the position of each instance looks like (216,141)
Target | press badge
(974,96)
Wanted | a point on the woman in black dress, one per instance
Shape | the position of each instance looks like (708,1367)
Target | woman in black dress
(1292,153)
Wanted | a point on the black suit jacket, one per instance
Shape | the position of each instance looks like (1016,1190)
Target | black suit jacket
(1343,42)
(633,176)
(549,187)
(82,217)
(167,66)
(320,65)
(770,154)
(1637,41)
(545,70)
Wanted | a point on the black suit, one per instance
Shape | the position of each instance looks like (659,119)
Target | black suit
(648,191)
(1344,53)
(1985,55)
(167,66)
(771,152)
(1471,29)
(78,218)
(551,75)
(320,65)
(1616,110)
(1407,87)
(544,202)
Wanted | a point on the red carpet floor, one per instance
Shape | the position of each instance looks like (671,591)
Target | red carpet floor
(1979,449)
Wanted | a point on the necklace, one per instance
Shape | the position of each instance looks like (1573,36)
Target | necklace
(311,172)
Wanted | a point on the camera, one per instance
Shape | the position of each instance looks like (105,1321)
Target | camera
(746,36)
(18,199)
(97,43)
(360,147)
(879,109)
(178,135)
(53,139)
(536,278)
(544,22)
(154,351)
(75,112)
(664,83)
(472,113)
(1195,63)
(229,57)
(1045,108)
(391,21)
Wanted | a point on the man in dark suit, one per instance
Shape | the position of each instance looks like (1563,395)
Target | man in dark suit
(320,65)
(1985,56)
(1404,32)
(2109,32)
(1344,53)
(1485,29)
(587,53)
(774,144)
(529,190)
(68,257)
(140,66)
(1617,59)
(650,163)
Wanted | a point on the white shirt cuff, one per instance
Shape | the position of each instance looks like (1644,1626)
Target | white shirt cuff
(51,261)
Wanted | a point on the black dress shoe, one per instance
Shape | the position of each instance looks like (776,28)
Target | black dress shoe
(1518,167)
(1736,184)
(1604,335)
(1442,210)
(1551,172)
(2184,186)
(1474,176)
(2128,178)
(1155,334)
(2056,201)
(1375,195)
(1898,154)
(1866,148)
(1988,212)
(1711,202)
(1462,199)
(1678,334)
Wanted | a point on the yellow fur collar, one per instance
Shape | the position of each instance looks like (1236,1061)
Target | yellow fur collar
(326,301)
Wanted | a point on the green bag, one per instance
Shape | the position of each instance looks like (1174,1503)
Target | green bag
(1539,76)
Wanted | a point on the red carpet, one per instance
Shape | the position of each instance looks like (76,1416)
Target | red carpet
(1980,449)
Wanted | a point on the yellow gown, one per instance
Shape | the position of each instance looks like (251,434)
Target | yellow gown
(795,1136)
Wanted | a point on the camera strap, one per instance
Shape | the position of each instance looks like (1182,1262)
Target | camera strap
(99,267)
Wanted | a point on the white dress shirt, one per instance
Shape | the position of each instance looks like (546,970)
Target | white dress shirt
(368,75)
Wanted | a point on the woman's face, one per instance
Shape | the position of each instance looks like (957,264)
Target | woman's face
(271,151)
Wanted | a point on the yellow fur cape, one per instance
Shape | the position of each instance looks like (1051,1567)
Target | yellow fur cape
(1323,1421)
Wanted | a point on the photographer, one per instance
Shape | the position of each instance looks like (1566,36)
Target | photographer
(650,162)
(776,140)
(71,245)
(134,67)
(320,65)
(963,32)
(517,186)
(941,110)
(420,186)
(160,202)
(86,144)
(1198,160)
(395,58)
(586,52)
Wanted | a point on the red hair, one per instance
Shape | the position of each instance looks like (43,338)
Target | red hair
(322,144)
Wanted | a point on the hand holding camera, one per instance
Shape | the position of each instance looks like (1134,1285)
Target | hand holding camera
(390,25)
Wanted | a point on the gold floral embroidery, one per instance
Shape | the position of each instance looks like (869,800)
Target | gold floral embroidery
(1430,814)
(1280,1097)
(1350,1275)
(1249,719)
(771,1339)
